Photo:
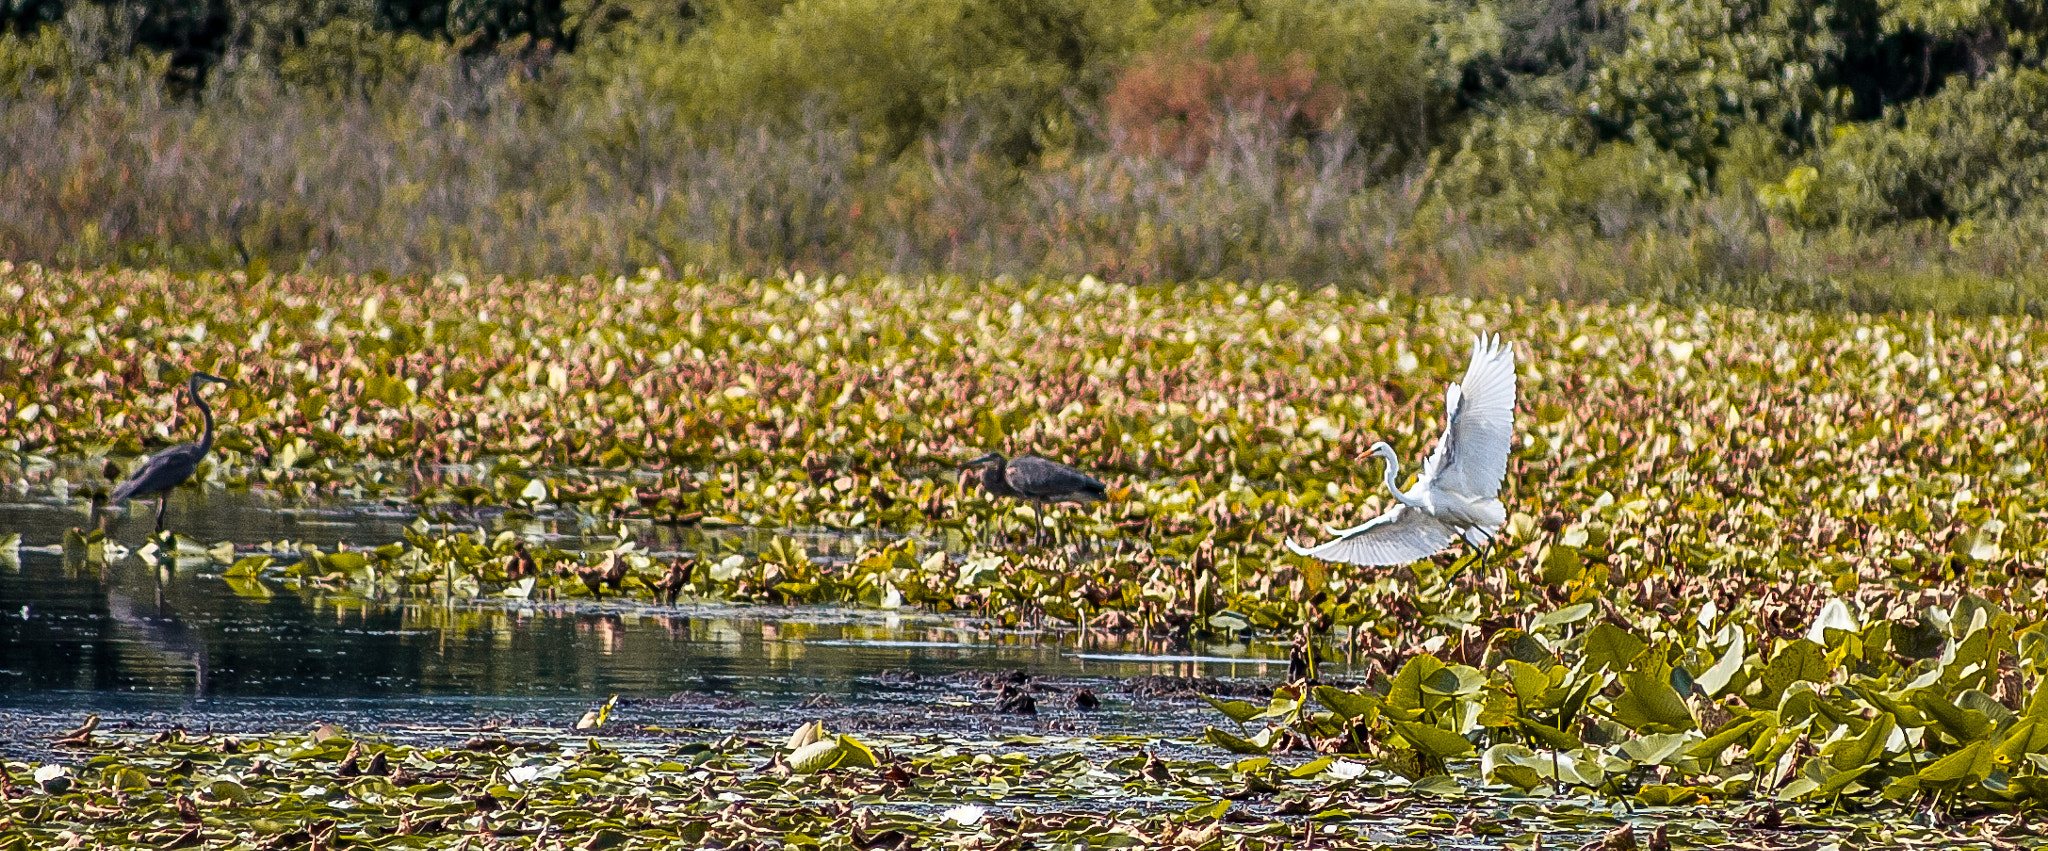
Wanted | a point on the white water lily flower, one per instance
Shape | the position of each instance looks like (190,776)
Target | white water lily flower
(965,814)
(1345,769)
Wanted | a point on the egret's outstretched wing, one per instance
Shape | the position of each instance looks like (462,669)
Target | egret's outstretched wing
(1472,457)
(1399,536)
(1353,530)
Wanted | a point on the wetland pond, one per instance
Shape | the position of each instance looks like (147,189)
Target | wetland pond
(169,640)
(1846,655)
(173,657)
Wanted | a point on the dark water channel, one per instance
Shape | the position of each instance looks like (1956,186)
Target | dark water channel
(134,637)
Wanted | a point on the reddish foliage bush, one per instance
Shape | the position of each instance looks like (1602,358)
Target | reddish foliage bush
(1174,102)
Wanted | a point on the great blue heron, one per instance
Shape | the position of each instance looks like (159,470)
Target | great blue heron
(170,468)
(1037,480)
(1457,495)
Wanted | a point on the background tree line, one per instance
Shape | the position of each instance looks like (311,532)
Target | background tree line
(1761,146)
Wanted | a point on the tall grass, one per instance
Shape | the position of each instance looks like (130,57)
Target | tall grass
(478,165)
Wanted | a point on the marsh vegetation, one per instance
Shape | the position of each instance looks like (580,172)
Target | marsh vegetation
(1770,568)
(1820,154)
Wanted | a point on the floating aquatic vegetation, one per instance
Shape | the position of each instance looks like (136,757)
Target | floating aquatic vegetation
(1749,555)
(1667,457)
(543,788)
(1946,707)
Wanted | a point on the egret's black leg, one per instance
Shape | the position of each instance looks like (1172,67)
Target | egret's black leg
(1479,552)
(1486,552)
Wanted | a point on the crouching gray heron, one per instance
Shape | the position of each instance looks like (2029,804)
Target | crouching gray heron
(1038,481)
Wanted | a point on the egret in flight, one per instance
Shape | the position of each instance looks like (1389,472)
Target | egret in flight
(1457,497)
(1035,479)
(170,468)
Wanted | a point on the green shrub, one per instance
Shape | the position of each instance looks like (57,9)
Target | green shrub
(1973,151)
(349,57)
(892,72)
(1695,70)
(91,49)
(1529,171)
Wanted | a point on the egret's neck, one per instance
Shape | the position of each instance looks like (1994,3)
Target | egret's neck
(1393,478)
(205,412)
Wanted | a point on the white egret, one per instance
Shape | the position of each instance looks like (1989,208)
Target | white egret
(1457,495)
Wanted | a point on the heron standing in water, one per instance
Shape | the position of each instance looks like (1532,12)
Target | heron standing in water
(1457,497)
(170,468)
(1037,480)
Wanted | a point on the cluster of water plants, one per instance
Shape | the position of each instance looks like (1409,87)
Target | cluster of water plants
(1749,555)
(1936,708)
(539,788)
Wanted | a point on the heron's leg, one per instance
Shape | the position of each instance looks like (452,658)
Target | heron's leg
(1038,523)
(162,500)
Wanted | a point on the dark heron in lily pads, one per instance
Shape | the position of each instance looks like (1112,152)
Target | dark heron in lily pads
(170,468)
(1037,480)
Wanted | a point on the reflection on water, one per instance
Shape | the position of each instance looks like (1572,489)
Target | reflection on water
(143,628)
(255,519)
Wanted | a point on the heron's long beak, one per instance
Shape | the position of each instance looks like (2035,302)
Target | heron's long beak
(980,461)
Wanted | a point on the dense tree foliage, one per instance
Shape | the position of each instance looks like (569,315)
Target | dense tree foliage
(1302,138)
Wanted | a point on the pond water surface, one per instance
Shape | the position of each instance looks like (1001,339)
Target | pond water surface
(140,636)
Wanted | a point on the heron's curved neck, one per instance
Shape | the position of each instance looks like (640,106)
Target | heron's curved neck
(205,412)
(1393,479)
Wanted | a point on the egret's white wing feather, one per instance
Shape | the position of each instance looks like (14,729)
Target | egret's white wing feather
(1400,536)
(1471,458)
(1353,530)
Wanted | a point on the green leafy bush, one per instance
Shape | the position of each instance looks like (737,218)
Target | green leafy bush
(1529,172)
(1976,151)
(1710,147)
(350,57)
